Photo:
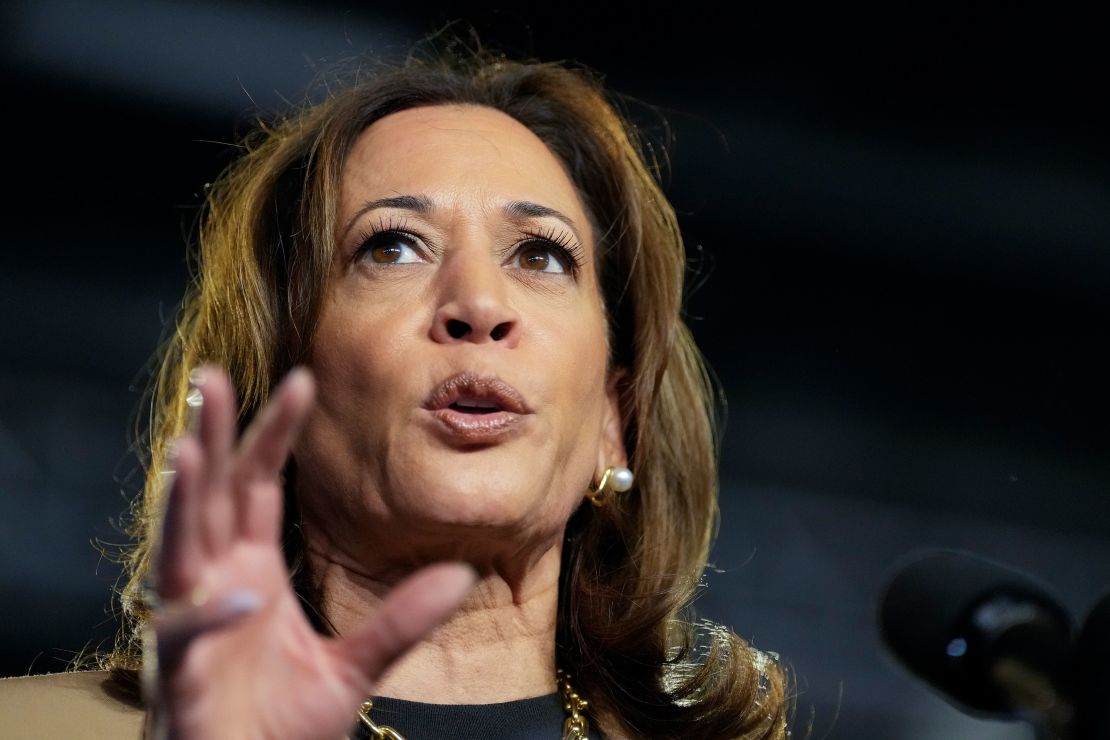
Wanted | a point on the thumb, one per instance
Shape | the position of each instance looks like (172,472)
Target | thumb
(411,611)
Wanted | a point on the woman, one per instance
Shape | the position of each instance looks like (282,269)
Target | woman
(492,419)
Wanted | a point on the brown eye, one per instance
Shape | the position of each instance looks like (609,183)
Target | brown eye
(539,259)
(386,253)
(391,248)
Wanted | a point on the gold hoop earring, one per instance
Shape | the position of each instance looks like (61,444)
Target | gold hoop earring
(616,479)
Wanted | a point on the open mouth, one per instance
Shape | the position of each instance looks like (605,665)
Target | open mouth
(474,406)
(469,393)
(474,409)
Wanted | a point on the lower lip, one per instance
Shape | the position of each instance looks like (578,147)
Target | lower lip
(477,428)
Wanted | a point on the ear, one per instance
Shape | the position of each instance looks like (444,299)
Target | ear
(612,452)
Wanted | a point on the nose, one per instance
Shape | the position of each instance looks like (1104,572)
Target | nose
(474,305)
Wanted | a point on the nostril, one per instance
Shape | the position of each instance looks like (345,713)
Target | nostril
(457,329)
(500,331)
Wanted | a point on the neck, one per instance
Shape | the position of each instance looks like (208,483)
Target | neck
(500,646)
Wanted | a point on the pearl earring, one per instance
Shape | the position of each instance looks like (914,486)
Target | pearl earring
(617,479)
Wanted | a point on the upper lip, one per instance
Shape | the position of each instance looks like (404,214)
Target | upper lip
(482,389)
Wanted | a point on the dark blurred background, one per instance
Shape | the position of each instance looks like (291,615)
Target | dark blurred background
(898,212)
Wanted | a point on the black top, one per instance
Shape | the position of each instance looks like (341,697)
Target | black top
(539,718)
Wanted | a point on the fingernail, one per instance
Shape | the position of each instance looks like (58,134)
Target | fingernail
(240,602)
(470,572)
(298,371)
(197,377)
(194,399)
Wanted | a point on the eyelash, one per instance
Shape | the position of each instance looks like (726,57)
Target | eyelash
(382,227)
(560,242)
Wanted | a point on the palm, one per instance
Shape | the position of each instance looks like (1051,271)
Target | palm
(269,675)
(238,658)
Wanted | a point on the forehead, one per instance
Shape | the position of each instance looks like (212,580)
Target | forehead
(457,155)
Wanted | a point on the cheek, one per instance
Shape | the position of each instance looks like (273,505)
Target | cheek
(345,360)
(575,365)
(358,359)
(578,349)
(361,337)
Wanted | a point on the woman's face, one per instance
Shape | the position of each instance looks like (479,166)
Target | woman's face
(463,391)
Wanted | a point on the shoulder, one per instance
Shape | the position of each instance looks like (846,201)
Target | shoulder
(80,704)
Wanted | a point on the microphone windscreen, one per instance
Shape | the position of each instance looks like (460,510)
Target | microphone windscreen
(951,616)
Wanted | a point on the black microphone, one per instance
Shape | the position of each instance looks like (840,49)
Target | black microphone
(1091,674)
(987,637)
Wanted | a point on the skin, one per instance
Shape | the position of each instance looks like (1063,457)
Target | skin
(385,492)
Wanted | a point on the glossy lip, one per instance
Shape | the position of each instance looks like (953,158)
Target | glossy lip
(483,428)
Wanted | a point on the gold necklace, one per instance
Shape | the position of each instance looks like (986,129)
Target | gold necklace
(575,727)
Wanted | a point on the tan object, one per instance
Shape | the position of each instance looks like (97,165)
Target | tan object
(67,705)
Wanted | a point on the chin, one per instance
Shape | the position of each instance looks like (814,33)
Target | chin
(472,500)
(491,489)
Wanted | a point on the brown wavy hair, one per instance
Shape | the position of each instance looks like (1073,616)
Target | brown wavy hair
(631,568)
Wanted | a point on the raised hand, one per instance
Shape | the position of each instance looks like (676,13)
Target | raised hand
(236,656)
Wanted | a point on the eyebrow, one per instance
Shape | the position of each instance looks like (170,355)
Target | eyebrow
(525,209)
(417,203)
(517,209)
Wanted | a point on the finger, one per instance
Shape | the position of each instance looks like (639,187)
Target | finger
(181,546)
(216,432)
(263,453)
(409,613)
(178,625)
